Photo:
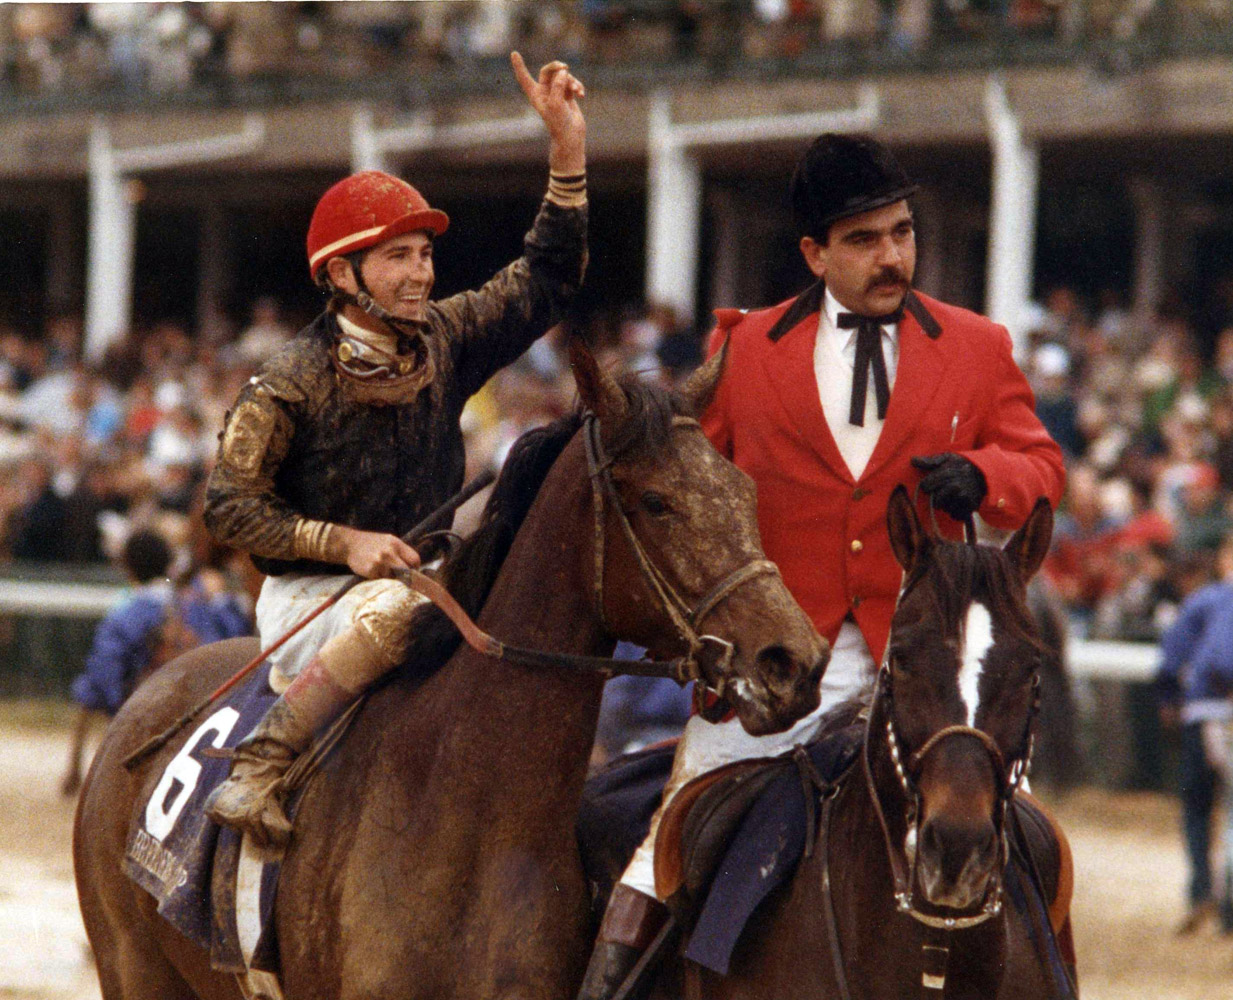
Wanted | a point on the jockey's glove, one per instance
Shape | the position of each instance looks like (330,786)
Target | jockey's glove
(954,485)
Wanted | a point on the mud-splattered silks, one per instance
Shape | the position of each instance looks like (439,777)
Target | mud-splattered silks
(305,442)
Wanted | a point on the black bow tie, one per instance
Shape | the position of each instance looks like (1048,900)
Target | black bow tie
(868,355)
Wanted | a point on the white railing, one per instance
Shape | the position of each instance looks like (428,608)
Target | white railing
(1132,662)
(53,599)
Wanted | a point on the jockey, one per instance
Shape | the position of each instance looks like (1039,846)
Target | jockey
(828,401)
(349,436)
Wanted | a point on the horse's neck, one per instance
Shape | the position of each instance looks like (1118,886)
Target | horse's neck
(523,731)
(543,598)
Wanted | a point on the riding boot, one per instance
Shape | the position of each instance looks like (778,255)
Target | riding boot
(630,924)
(252,798)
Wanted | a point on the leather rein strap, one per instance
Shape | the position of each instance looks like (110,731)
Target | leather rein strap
(903,870)
(682,669)
(685,619)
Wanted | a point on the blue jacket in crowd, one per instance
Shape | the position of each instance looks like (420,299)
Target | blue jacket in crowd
(1196,665)
(124,640)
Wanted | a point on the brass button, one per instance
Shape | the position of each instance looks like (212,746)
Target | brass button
(857,545)
(345,352)
(860,493)
(1001,502)
(404,366)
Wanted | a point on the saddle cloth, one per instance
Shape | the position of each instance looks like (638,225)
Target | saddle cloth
(729,839)
(200,872)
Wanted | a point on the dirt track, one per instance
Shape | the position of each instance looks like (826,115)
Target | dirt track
(1128,857)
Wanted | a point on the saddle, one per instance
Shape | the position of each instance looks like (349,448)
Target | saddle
(728,840)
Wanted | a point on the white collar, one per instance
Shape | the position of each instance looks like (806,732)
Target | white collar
(847,337)
(387,342)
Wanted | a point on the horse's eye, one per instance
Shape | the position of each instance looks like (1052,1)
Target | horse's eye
(654,504)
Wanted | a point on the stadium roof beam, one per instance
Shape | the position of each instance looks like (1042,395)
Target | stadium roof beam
(370,145)
(674,182)
(1012,217)
(113,216)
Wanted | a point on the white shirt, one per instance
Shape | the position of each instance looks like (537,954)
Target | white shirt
(834,360)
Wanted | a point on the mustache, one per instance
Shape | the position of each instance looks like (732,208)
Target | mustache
(889,278)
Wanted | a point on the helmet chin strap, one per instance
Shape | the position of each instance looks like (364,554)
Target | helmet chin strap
(365,301)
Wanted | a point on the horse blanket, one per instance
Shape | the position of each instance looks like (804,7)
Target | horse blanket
(216,888)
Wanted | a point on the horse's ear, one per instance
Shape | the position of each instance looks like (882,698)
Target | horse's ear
(1029,545)
(599,391)
(907,535)
(699,388)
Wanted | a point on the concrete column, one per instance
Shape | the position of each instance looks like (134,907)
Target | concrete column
(1012,220)
(930,248)
(366,151)
(113,216)
(1149,251)
(111,248)
(674,215)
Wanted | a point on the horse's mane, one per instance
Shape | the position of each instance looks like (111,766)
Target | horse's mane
(472,570)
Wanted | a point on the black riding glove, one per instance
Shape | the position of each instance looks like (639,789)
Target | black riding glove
(954,485)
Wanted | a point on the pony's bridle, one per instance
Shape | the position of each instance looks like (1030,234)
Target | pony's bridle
(1009,776)
(686,620)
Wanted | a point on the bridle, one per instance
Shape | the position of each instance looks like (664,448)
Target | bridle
(1008,774)
(685,619)
(692,666)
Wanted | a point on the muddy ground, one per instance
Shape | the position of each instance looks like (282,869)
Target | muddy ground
(1128,854)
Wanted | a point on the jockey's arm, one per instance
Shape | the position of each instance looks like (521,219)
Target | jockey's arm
(243,509)
(490,327)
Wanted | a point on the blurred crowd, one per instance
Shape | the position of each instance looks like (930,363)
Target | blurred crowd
(1143,412)
(91,452)
(93,455)
(169,47)
(1143,408)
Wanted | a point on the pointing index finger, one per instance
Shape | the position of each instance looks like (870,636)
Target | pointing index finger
(525,80)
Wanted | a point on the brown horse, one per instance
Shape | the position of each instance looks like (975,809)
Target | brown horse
(435,854)
(903,892)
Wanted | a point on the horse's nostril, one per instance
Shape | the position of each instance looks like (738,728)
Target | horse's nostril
(776,663)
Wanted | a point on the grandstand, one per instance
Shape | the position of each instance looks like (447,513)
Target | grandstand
(159,164)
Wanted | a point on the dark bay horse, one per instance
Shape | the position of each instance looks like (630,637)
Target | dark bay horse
(435,853)
(912,837)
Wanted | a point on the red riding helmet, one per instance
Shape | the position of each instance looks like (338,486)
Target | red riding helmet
(366,209)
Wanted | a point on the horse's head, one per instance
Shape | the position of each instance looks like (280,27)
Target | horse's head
(677,554)
(958,698)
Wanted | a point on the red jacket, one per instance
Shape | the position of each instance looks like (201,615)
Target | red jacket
(957,388)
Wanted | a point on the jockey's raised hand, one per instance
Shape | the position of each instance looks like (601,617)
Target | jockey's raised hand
(555,97)
(373,554)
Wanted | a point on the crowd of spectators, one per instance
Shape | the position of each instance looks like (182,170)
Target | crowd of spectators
(1146,421)
(91,452)
(88,452)
(170,47)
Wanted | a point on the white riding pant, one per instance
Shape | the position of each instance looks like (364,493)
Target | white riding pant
(705,746)
(381,607)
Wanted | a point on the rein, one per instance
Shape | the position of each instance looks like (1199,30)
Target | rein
(903,866)
(686,620)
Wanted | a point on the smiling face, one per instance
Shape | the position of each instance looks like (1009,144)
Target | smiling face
(868,260)
(397,273)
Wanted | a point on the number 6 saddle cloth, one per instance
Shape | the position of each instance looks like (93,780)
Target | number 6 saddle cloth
(215,889)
